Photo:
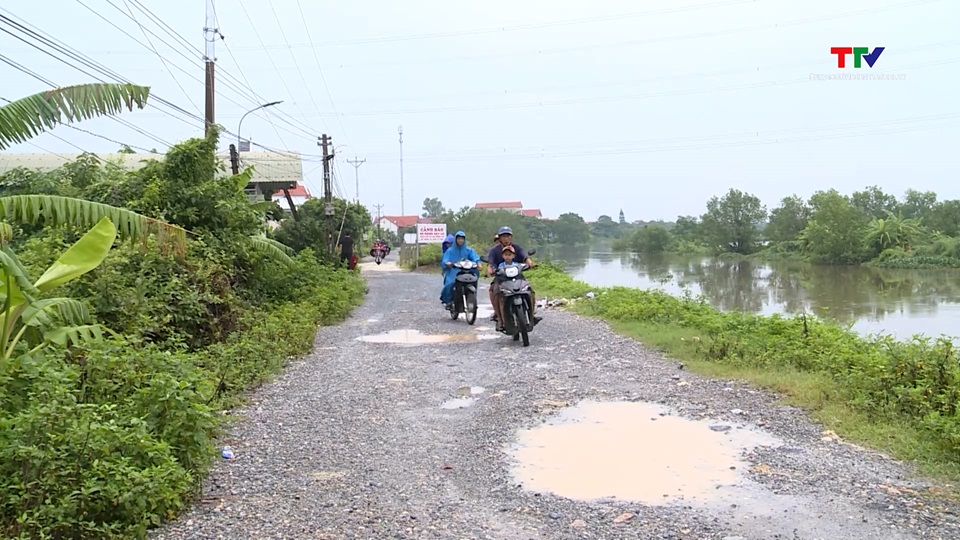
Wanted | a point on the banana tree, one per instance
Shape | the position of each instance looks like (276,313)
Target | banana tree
(29,323)
(30,116)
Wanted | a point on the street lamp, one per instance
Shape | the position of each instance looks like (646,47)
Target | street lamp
(265,105)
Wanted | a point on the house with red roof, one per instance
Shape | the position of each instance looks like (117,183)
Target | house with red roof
(395,223)
(510,206)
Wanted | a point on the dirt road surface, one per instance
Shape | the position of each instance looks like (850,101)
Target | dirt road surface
(406,424)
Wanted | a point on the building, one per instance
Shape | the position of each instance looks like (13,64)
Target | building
(300,194)
(272,171)
(532,213)
(512,206)
(395,223)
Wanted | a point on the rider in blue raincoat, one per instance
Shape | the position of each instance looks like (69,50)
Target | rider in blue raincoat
(447,242)
(455,253)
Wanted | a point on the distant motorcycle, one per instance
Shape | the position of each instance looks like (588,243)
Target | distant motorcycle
(379,253)
(465,291)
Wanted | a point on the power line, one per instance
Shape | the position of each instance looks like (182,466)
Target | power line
(955,121)
(323,78)
(608,99)
(160,56)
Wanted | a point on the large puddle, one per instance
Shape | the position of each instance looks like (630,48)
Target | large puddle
(415,337)
(636,452)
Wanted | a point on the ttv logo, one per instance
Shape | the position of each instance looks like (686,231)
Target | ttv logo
(858,54)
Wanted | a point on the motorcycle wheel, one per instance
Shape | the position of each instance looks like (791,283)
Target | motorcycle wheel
(470,307)
(379,260)
(454,311)
(524,321)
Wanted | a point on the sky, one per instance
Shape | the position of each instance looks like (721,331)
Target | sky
(651,107)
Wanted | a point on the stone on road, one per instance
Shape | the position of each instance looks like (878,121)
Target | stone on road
(406,424)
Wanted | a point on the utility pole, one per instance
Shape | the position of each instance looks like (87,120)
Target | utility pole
(400,129)
(234,159)
(379,207)
(327,190)
(210,36)
(356,171)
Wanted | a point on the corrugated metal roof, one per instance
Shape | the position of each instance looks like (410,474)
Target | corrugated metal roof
(268,166)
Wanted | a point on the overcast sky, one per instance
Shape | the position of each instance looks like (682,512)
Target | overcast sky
(588,107)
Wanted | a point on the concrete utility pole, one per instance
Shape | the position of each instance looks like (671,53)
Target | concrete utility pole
(379,207)
(356,171)
(210,36)
(400,130)
(327,190)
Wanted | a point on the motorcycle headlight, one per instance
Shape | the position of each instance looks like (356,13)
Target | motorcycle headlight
(511,271)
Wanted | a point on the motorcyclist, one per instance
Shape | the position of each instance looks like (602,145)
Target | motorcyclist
(455,253)
(494,258)
(379,245)
(447,242)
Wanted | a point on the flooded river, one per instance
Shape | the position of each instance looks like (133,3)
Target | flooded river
(895,302)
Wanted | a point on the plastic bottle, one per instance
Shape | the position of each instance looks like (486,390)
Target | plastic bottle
(227,452)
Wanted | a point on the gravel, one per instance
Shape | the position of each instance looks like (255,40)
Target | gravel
(351,442)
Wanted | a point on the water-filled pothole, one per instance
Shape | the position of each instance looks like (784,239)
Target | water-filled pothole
(458,403)
(628,451)
(415,337)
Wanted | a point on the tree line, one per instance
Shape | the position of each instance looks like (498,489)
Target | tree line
(869,225)
(481,225)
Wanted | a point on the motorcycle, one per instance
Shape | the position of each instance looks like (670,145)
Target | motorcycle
(515,301)
(465,291)
(378,254)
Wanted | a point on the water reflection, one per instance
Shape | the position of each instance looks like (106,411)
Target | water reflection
(897,302)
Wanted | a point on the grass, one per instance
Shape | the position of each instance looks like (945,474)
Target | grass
(827,373)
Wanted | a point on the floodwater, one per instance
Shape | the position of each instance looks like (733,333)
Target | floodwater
(415,337)
(636,451)
(874,301)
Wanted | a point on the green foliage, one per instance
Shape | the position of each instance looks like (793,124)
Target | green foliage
(648,239)
(30,116)
(914,382)
(606,227)
(105,438)
(430,256)
(788,220)
(732,222)
(835,232)
(481,225)
(829,228)
(310,231)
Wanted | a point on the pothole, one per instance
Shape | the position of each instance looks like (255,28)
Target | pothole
(415,337)
(471,390)
(458,403)
(628,451)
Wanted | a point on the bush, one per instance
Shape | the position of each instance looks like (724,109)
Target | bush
(111,438)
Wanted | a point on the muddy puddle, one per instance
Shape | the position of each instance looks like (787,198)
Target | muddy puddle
(415,337)
(628,451)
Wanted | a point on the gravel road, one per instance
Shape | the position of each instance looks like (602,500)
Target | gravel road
(361,440)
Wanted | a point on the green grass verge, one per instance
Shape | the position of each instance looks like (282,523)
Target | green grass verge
(901,398)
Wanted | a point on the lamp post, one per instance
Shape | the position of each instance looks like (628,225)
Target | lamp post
(264,106)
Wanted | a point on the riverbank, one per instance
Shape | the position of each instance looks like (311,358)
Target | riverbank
(898,397)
